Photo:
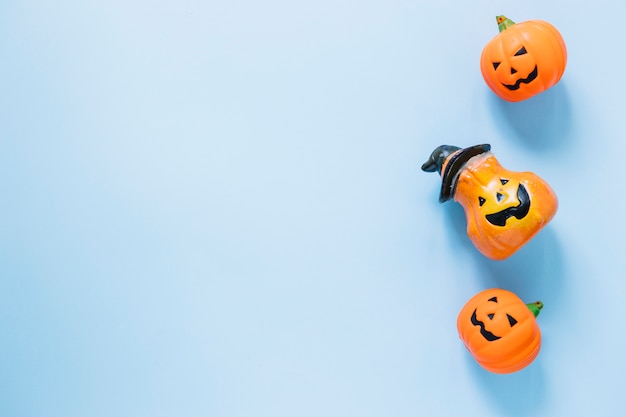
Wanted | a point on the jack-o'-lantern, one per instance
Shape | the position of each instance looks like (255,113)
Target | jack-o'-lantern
(504,209)
(500,331)
(524,59)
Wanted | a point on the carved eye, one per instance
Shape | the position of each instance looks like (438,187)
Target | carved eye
(503,181)
(481,201)
(512,321)
(521,51)
(494,299)
(496,65)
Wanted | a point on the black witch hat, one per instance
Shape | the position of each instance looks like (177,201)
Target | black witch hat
(457,159)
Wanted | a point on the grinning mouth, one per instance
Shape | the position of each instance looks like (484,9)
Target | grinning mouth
(519,82)
(486,333)
(519,212)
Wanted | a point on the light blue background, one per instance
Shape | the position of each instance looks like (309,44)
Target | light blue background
(217,209)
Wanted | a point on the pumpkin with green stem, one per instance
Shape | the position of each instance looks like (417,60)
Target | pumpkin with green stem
(500,330)
(524,59)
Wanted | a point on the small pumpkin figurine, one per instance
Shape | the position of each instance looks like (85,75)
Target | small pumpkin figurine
(524,59)
(504,209)
(500,331)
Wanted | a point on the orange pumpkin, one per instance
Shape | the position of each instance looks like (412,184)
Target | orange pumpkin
(500,331)
(524,59)
(504,209)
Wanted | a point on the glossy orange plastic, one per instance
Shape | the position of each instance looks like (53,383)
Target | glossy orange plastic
(504,209)
(500,331)
(524,59)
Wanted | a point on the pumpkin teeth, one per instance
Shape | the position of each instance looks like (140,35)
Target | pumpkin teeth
(531,77)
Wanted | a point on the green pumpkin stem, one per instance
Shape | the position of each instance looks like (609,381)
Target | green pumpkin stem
(535,307)
(504,22)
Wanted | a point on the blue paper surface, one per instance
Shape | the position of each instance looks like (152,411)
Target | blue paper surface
(217,209)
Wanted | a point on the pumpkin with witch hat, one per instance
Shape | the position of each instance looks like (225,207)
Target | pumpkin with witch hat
(504,209)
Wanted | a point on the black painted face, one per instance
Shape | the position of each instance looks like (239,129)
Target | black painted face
(527,80)
(489,336)
(519,212)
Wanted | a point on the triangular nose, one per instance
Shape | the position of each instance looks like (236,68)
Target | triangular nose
(513,70)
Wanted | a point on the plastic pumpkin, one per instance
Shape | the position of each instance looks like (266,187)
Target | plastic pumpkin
(500,331)
(504,209)
(524,59)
